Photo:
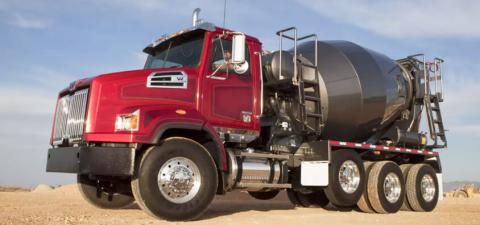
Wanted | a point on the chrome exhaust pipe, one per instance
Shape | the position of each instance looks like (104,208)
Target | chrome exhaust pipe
(195,18)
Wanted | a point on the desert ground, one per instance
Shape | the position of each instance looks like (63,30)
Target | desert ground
(64,205)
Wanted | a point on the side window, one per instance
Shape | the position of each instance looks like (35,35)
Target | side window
(222,56)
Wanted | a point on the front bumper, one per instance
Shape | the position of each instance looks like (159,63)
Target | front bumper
(106,161)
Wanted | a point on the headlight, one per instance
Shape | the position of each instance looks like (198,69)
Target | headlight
(128,122)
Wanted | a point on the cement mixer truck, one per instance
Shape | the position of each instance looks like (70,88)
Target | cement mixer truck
(329,122)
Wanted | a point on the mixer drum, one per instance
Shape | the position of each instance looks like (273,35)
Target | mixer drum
(362,91)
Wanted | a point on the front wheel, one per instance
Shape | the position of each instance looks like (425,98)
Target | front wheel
(105,194)
(176,180)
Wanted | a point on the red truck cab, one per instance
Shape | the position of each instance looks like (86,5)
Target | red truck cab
(177,91)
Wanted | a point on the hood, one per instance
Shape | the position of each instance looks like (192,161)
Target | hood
(122,75)
(125,92)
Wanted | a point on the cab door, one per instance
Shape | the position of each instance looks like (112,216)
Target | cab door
(229,99)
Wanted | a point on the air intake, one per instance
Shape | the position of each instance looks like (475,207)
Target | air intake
(177,79)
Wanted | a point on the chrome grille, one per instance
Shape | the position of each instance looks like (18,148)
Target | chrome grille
(70,117)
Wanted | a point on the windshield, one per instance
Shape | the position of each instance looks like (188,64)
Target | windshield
(182,51)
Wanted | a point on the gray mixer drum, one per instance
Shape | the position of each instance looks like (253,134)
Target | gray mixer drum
(362,91)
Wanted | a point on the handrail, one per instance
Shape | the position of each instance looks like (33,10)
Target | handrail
(295,39)
(426,81)
(307,36)
(316,45)
(285,30)
(439,75)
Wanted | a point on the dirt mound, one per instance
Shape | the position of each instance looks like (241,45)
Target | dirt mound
(42,188)
(68,188)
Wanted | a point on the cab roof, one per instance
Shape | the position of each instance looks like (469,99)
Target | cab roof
(202,26)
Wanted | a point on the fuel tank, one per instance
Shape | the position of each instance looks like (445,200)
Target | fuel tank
(361,91)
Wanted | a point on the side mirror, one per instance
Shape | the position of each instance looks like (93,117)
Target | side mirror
(238,48)
(240,65)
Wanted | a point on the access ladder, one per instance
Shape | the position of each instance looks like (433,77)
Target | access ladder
(305,116)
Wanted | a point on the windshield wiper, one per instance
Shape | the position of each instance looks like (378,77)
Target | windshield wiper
(166,54)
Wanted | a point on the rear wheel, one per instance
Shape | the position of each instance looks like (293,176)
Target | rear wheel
(316,198)
(364,204)
(105,194)
(299,199)
(319,198)
(176,180)
(346,178)
(405,169)
(292,196)
(386,187)
(264,195)
(422,188)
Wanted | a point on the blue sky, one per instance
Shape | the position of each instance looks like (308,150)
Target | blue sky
(45,44)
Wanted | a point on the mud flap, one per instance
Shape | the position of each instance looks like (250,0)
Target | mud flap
(314,173)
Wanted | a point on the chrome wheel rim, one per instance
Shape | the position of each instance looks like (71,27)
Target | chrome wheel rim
(349,176)
(427,187)
(392,187)
(179,180)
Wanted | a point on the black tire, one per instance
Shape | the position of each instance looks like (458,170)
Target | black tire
(107,197)
(316,198)
(414,194)
(334,191)
(264,195)
(405,169)
(304,200)
(376,191)
(319,198)
(292,196)
(299,199)
(364,204)
(150,197)
(134,184)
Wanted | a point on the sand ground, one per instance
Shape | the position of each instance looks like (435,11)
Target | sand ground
(64,205)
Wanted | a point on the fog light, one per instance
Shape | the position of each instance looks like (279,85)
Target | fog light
(128,122)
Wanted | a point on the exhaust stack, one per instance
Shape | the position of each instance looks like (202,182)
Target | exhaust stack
(195,18)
